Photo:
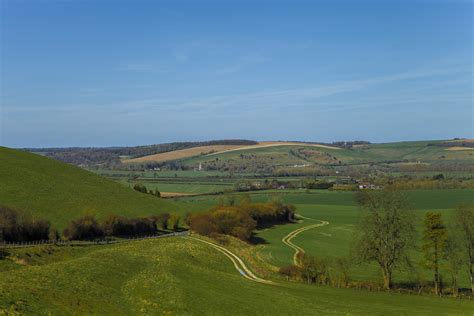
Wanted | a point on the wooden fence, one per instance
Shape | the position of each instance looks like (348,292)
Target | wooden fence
(104,241)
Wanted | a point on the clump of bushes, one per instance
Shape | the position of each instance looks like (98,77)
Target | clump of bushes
(161,220)
(87,227)
(115,225)
(18,227)
(140,188)
(143,189)
(229,221)
(240,220)
(322,271)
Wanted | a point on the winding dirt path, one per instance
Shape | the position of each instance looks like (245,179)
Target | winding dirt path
(238,263)
(242,267)
(287,239)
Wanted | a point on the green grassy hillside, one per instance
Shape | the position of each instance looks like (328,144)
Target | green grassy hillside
(59,192)
(183,276)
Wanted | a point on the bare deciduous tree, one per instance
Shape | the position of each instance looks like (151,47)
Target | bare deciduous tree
(464,231)
(386,232)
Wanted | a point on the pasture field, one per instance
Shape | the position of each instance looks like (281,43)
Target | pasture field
(183,187)
(161,173)
(342,213)
(59,192)
(180,276)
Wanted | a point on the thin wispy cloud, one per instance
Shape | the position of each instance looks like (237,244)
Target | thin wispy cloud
(311,98)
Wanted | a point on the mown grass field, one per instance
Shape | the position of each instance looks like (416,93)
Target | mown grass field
(182,276)
(60,192)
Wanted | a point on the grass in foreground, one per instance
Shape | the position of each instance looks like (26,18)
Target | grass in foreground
(182,276)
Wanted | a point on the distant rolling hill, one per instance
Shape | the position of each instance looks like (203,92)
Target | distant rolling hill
(217,149)
(311,152)
(58,192)
(267,156)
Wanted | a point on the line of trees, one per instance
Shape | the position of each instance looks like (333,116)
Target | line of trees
(449,247)
(239,219)
(17,226)
(388,236)
(110,156)
(87,227)
(143,189)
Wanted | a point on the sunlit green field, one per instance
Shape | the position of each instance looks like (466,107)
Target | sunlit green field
(340,210)
(161,174)
(197,188)
(181,276)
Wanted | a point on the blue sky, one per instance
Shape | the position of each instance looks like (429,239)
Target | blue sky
(102,73)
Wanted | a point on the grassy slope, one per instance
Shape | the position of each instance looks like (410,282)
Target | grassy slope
(58,191)
(182,276)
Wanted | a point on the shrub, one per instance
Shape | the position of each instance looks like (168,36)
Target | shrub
(314,269)
(35,230)
(114,225)
(16,227)
(143,226)
(290,272)
(54,234)
(173,221)
(140,188)
(155,192)
(161,220)
(342,267)
(240,220)
(203,224)
(85,227)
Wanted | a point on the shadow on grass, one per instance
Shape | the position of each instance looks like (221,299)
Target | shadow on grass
(3,254)
(256,240)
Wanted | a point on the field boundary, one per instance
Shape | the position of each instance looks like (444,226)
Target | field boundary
(37,243)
